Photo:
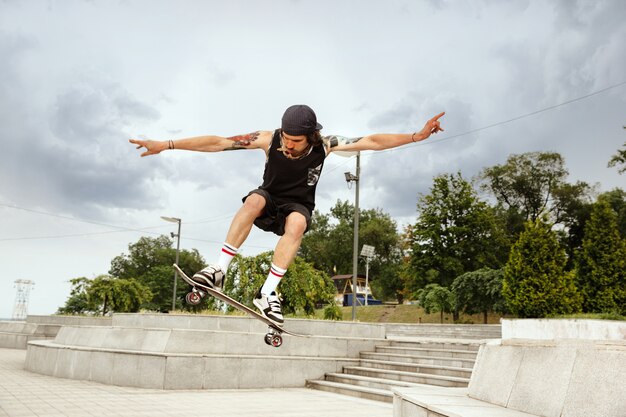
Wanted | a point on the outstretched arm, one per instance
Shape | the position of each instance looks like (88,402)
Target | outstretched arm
(255,140)
(381,141)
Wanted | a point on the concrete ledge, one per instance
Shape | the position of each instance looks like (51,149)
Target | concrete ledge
(69,320)
(177,371)
(552,378)
(248,324)
(556,329)
(209,341)
(17,334)
(428,401)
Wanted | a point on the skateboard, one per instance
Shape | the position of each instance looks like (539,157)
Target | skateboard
(274,331)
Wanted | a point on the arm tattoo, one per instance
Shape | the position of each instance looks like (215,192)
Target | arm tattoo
(242,141)
(335,140)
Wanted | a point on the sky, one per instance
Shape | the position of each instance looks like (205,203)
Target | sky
(79,78)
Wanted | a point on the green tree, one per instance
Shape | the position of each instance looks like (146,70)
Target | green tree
(619,159)
(115,294)
(105,294)
(328,245)
(149,261)
(435,298)
(479,292)
(616,199)
(302,288)
(455,233)
(536,283)
(532,184)
(77,302)
(601,268)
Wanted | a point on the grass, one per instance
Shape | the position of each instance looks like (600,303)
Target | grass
(406,314)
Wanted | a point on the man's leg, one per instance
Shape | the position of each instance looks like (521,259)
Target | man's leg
(266,299)
(213,275)
(244,219)
(285,251)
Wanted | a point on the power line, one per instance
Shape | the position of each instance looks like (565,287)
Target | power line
(120,229)
(479,129)
(514,119)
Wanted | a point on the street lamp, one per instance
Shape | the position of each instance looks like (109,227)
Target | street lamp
(177,235)
(355,257)
(368,252)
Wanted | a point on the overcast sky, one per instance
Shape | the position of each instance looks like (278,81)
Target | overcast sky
(78,78)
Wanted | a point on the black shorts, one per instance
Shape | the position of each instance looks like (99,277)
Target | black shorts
(275,214)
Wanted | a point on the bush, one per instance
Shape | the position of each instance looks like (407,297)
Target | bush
(332,312)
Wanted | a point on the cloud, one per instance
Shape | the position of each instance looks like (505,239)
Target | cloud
(72,154)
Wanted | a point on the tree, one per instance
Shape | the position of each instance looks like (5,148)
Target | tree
(149,261)
(619,159)
(435,298)
(105,294)
(479,292)
(116,294)
(536,283)
(533,184)
(77,302)
(601,268)
(328,245)
(455,233)
(302,287)
(616,199)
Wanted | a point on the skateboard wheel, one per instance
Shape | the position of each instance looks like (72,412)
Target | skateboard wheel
(268,339)
(193,298)
(277,340)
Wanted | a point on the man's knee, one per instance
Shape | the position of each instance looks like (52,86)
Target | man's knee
(254,203)
(296,224)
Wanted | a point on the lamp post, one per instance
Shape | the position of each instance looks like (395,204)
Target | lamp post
(355,257)
(367,251)
(177,235)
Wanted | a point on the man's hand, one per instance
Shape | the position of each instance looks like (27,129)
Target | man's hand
(432,126)
(153,147)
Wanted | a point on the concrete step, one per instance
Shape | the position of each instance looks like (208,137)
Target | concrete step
(352,390)
(417,368)
(430,352)
(417,359)
(468,346)
(370,382)
(418,378)
(446,331)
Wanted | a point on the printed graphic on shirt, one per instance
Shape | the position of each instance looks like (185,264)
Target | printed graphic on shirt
(314,175)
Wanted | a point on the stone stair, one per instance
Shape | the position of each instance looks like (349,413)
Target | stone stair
(409,360)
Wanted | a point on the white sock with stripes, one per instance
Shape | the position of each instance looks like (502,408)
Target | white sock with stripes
(226,255)
(273,279)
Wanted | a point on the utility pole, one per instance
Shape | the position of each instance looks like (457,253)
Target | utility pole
(355,248)
(177,235)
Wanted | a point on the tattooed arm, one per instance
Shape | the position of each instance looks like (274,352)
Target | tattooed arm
(254,140)
(380,141)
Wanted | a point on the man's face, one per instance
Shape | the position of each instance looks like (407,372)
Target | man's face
(294,145)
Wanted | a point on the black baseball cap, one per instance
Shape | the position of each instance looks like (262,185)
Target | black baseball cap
(299,120)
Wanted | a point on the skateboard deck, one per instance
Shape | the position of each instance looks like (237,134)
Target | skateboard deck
(273,336)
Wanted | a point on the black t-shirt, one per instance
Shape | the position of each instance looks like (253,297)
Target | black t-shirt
(292,180)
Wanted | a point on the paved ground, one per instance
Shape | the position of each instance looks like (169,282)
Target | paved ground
(25,393)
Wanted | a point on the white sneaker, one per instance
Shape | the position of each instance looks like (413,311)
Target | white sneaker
(269,306)
(210,277)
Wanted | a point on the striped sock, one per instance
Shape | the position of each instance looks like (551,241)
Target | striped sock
(273,279)
(226,255)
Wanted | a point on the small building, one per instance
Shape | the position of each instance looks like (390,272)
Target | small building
(343,283)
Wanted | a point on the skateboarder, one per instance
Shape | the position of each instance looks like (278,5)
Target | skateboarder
(283,204)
